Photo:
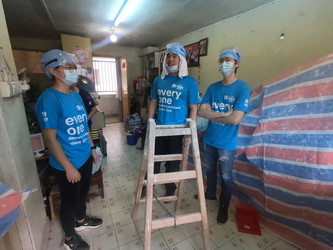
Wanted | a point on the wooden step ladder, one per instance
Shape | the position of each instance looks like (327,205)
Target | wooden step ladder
(189,132)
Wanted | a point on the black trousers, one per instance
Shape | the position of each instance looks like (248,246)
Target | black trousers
(168,145)
(73,196)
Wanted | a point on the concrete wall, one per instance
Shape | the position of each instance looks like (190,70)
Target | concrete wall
(18,169)
(305,23)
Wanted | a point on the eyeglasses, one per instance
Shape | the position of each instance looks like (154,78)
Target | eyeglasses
(71,68)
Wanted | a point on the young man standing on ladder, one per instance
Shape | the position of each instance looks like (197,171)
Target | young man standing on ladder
(224,104)
(173,98)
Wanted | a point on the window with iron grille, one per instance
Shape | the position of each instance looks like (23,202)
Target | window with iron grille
(105,75)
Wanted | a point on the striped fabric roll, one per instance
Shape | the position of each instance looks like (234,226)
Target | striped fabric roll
(284,165)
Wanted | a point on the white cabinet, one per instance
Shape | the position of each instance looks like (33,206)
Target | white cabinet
(152,65)
(153,60)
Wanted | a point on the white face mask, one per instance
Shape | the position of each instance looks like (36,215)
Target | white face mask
(71,77)
(172,69)
(226,68)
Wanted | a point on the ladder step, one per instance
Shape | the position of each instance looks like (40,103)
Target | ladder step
(161,199)
(171,126)
(174,176)
(169,157)
(178,220)
(172,131)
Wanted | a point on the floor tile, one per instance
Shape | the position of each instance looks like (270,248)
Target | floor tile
(191,229)
(105,241)
(118,205)
(249,241)
(282,245)
(126,234)
(157,241)
(197,242)
(184,245)
(173,235)
(122,218)
(219,235)
(136,244)
(231,245)
(101,210)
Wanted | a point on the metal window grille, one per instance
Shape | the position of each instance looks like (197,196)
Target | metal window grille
(105,74)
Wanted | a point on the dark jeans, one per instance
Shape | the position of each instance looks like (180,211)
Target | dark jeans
(168,145)
(224,159)
(73,196)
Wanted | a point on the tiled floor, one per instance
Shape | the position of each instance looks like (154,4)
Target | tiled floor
(111,119)
(119,230)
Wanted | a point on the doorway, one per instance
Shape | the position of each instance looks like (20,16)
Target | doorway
(110,75)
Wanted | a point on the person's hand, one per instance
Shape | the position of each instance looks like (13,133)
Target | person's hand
(73,175)
(229,112)
(95,156)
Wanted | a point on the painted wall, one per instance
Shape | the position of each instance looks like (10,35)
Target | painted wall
(28,59)
(108,104)
(18,168)
(305,23)
(70,43)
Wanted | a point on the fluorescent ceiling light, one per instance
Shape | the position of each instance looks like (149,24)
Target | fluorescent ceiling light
(125,10)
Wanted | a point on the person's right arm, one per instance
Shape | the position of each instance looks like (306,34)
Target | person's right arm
(152,108)
(205,111)
(50,138)
(92,112)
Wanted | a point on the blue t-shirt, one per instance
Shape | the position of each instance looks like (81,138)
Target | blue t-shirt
(174,95)
(222,98)
(65,113)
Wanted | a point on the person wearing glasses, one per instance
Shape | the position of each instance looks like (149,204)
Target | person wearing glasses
(64,122)
(224,104)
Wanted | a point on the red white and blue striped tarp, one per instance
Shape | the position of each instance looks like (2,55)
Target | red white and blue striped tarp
(9,206)
(284,165)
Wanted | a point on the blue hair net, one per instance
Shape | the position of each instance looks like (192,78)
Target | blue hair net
(231,52)
(176,48)
(55,58)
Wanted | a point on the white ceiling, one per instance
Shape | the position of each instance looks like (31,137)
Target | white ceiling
(151,23)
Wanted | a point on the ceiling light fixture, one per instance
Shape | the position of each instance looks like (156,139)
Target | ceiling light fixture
(120,14)
(125,10)
(113,36)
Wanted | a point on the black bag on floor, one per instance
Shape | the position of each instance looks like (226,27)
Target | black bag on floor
(103,145)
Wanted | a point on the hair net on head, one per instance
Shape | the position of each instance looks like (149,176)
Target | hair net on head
(176,48)
(55,58)
(231,52)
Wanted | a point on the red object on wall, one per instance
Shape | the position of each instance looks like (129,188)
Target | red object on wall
(247,219)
